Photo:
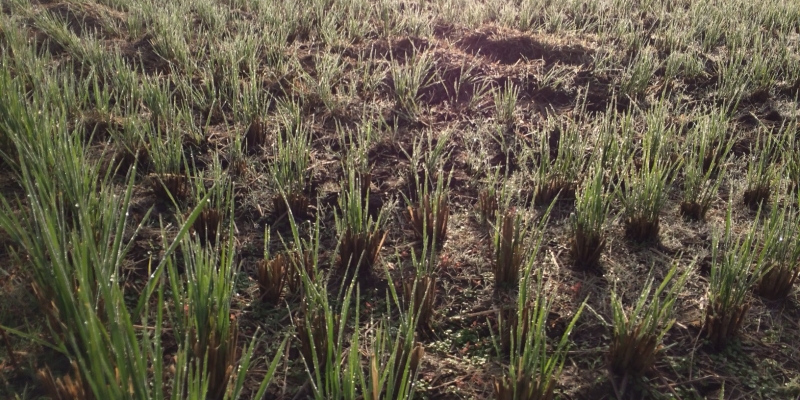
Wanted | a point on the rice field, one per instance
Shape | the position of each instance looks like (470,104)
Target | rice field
(390,199)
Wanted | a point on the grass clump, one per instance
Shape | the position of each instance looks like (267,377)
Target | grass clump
(557,162)
(394,357)
(408,79)
(204,291)
(361,235)
(591,210)
(735,267)
(780,247)
(704,165)
(77,269)
(638,333)
(533,369)
(332,354)
(420,293)
(762,174)
(512,321)
(419,290)
(505,105)
(215,188)
(509,250)
(645,182)
(291,164)
(168,180)
(429,215)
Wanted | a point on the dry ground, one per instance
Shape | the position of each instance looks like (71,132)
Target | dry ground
(559,77)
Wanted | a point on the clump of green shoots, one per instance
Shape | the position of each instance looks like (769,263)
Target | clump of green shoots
(318,330)
(218,197)
(394,375)
(291,164)
(704,164)
(204,291)
(408,80)
(639,72)
(419,290)
(638,332)
(491,197)
(236,158)
(427,202)
(272,274)
(592,204)
(77,269)
(643,190)
(329,73)
(168,181)
(533,369)
(394,361)
(762,174)
(780,253)
(792,157)
(421,298)
(256,135)
(131,147)
(360,235)
(534,372)
(333,357)
(508,318)
(558,162)
(505,104)
(509,250)
(430,214)
(427,158)
(736,266)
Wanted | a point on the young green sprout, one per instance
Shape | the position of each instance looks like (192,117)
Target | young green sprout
(509,250)
(361,235)
(704,164)
(780,248)
(762,174)
(420,292)
(430,213)
(131,147)
(429,217)
(204,292)
(168,181)
(495,194)
(791,157)
(505,104)
(236,159)
(219,195)
(292,162)
(643,192)
(592,204)
(533,369)
(408,80)
(272,274)
(558,161)
(638,332)
(736,266)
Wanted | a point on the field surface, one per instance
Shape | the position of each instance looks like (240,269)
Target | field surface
(390,199)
